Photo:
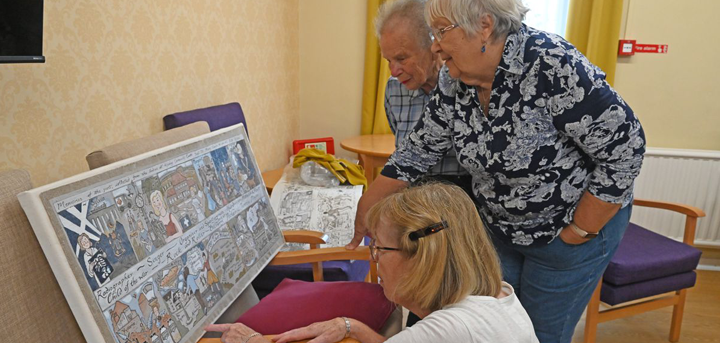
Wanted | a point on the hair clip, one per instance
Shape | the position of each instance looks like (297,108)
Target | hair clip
(428,230)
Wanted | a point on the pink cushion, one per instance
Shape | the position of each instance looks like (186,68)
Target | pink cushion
(294,304)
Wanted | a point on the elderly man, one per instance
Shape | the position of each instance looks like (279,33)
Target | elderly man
(405,40)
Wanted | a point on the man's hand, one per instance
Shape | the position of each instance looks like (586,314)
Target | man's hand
(380,188)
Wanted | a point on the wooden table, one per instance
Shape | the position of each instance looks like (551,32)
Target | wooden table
(373,150)
(271,178)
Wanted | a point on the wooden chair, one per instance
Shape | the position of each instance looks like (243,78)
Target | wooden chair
(646,265)
(316,255)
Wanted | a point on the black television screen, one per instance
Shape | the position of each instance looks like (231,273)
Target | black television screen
(21,31)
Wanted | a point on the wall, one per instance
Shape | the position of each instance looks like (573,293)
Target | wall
(674,94)
(115,68)
(332,55)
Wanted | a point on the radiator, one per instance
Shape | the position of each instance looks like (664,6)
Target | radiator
(689,177)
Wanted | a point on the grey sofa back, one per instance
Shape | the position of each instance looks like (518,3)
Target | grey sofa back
(33,308)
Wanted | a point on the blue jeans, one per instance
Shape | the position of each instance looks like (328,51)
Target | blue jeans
(554,282)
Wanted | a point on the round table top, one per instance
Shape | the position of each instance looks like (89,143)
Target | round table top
(372,145)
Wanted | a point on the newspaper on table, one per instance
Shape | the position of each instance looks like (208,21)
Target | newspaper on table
(155,247)
(331,210)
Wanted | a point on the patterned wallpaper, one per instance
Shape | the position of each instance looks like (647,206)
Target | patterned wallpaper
(115,68)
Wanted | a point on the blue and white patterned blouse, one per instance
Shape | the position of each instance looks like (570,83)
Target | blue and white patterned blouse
(554,129)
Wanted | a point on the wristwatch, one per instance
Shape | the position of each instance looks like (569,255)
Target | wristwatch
(582,233)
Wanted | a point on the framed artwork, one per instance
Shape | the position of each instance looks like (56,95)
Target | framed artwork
(155,247)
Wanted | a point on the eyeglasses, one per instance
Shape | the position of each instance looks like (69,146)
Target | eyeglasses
(374,249)
(414,236)
(438,33)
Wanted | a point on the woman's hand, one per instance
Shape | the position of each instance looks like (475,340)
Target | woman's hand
(569,236)
(330,331)
(235,333)
(380,188)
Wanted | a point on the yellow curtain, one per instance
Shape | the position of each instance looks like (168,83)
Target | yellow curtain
(375,78)
(593,26)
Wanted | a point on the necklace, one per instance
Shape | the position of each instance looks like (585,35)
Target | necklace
(482,92)
(484,101)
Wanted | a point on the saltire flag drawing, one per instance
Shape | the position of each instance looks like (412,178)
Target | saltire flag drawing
(74,220)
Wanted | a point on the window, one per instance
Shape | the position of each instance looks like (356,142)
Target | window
(547,15)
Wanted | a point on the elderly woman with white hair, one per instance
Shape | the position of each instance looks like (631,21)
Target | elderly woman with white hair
(405,41)
(553,151)
(435,259)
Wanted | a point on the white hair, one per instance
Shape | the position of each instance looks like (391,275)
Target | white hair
(410,10)
(507,14)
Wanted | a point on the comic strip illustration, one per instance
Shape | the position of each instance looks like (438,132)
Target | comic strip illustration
(96,230)
(224,259)
(327,209)
(243,240)
(160,248)
(244,166)
(142,317)
(260,220)
(130,204)
(189,286)
(212,189)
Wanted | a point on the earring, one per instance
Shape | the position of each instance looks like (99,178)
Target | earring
(483,49)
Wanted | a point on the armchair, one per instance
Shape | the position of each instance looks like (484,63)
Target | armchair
(645,265)
(217,117)
(33,308)
(127,149)
(317,256)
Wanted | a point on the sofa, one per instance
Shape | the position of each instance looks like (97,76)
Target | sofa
(34,308)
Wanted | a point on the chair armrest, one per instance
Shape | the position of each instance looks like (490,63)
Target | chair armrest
(320,255)
(691,215)
(305,236)
(680,208)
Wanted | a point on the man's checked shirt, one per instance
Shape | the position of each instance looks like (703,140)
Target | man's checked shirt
(403,108)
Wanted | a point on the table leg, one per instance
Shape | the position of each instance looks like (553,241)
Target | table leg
(367,163)
(370,163)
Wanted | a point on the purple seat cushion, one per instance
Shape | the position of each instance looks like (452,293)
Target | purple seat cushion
(613,294)
(294,304)
(271,276)
(645,255)
(217,117)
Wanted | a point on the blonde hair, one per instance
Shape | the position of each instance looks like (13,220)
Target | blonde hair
(157,194)
(507,14)
(449,265)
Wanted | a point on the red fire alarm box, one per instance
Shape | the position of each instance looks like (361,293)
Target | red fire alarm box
(626,47)
(326,144)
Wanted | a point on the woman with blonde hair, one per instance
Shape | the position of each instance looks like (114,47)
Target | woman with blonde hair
(435,259)
(173,229)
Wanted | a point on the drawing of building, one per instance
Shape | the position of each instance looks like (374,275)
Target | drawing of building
(177,184)
(124,320)
(100,214)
